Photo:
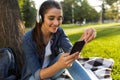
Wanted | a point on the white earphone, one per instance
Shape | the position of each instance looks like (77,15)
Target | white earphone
(38,17)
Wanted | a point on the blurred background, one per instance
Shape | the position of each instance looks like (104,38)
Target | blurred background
(76,11)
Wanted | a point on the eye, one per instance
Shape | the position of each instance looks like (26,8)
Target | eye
(51,18)
(60,18)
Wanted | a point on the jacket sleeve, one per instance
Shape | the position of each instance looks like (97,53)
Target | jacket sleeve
(31,60)
(64,41)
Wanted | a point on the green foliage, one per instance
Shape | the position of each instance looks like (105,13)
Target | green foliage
(106,44)
(20,3)
(67,12)
(87,12)
(113,12)
(79,10)
(28,12)
(110,2)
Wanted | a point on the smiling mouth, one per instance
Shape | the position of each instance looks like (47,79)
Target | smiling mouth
(55,27)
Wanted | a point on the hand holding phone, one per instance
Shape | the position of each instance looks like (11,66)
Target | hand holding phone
(78,46)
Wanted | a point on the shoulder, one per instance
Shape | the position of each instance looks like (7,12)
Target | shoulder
(60,30)
(27,39)
(27,36)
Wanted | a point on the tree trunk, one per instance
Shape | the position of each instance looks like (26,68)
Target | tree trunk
(11,28)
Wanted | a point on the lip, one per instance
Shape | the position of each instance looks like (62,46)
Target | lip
(55,28)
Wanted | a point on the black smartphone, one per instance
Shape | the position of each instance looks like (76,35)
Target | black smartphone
(78,46)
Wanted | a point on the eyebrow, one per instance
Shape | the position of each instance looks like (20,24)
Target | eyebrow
(54,16)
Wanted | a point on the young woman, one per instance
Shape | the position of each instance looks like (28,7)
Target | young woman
(46,47)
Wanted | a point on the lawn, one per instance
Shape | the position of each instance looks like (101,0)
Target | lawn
(106,44)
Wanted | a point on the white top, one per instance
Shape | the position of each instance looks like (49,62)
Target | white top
(47,55)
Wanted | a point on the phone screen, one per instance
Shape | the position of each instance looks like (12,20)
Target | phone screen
(78,46)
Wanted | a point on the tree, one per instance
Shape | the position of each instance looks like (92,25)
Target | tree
(110,2)
(105,13)
(67,12)
(29,13)
(11,28)
(20,3)
(113,11)
(85,11)
(79,10)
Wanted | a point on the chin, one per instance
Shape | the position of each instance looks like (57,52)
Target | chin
(54,31)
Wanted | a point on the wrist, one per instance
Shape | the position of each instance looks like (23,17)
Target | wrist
(58,64)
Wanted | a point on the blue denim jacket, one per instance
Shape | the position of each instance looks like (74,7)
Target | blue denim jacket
(7,64)
(33,61)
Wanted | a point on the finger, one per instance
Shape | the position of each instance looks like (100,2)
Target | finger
(69,65)
(95,34)
(90,38)
(86,38)
(82,37)
(70,61)
(65,54)
(86,34)
(90,35)
(67,61)
(78,56)
(73,55)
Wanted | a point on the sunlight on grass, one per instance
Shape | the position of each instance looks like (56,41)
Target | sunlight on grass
(73,31)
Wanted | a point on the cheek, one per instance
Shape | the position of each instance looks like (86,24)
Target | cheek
(48,23)
(51,23)
(60,22)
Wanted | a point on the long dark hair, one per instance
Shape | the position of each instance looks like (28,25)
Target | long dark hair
(37,33)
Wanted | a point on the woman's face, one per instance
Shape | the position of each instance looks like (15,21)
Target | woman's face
(52,20)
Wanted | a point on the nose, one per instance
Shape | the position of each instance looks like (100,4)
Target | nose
(56,22)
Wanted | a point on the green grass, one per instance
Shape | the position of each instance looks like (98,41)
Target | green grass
(106,44)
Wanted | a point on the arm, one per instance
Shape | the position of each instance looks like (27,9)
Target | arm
(88,35)
(32,64)
(50,71)
(64,41)
(66,61)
